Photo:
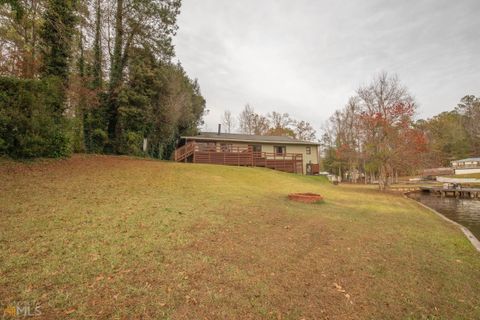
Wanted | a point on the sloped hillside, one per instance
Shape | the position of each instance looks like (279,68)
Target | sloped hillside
(121,238)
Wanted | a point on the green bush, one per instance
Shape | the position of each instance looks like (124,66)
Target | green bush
(99,140)
(132,143)
(31,121)
(76,134)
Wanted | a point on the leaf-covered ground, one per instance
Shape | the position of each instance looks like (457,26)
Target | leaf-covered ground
(96,237)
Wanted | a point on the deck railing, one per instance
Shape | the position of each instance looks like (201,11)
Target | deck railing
(216,148)
(240,156)
(184,151)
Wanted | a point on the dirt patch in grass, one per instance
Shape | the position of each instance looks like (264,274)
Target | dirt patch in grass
(115,237)
(305,197)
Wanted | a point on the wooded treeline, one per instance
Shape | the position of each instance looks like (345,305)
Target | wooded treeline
(454,134)
(375,137)
(272,124)
(93,76)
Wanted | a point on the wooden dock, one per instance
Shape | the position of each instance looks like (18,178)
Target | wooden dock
(469,193)
(404,189)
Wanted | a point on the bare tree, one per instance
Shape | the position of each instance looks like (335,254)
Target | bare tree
(280,120)
(246,119)
(280,124)
(304,131)
(228,121)
(261,125)
(348,133)
(469,107)
(375,133)
(19,37)
(386,111)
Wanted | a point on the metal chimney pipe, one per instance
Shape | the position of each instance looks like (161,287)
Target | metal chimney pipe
(219,129)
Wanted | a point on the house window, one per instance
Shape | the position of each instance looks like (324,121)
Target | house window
(256,148)
(279,150)
(308,150)
(226,147)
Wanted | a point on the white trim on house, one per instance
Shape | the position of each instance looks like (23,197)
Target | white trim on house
(301,143)
(252,139)
(466,170)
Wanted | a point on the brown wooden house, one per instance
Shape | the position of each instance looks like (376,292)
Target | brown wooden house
(275,152)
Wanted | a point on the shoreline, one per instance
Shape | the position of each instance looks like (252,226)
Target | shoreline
(470,236)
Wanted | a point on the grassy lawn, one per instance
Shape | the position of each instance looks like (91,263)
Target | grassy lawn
(96,237)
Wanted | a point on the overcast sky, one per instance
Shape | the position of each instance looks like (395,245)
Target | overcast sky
(308,57)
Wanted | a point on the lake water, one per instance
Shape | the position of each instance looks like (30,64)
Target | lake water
(464,211)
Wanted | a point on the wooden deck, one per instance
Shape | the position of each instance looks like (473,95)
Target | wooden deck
(458,193)
(239,156)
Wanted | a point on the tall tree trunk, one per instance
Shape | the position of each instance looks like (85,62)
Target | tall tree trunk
(382,178)
(96,83)
(80,111)
(97,49)
(364,171)
(34,39)
(116,75)
(56,34)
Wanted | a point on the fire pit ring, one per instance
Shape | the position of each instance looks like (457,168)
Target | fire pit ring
(305,197)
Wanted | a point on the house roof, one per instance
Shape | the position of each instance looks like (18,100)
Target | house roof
(236,137)
(467,160)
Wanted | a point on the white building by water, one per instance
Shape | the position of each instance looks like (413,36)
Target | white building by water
(466,166)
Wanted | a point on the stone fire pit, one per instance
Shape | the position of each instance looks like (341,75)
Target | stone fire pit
(305,197)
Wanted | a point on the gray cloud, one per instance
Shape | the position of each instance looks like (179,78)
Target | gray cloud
(307,57)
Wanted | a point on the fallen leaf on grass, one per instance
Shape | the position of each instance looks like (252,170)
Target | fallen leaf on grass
(94,257)
(339,287)
(190,299)
(126,271)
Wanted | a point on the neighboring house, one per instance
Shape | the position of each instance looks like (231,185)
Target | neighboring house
(465,166)
(275,152)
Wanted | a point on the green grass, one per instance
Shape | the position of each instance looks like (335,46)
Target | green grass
(96,237)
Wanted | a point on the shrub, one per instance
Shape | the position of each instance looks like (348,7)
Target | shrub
(31,123)
(76,134)
(132,143)
(99,140)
